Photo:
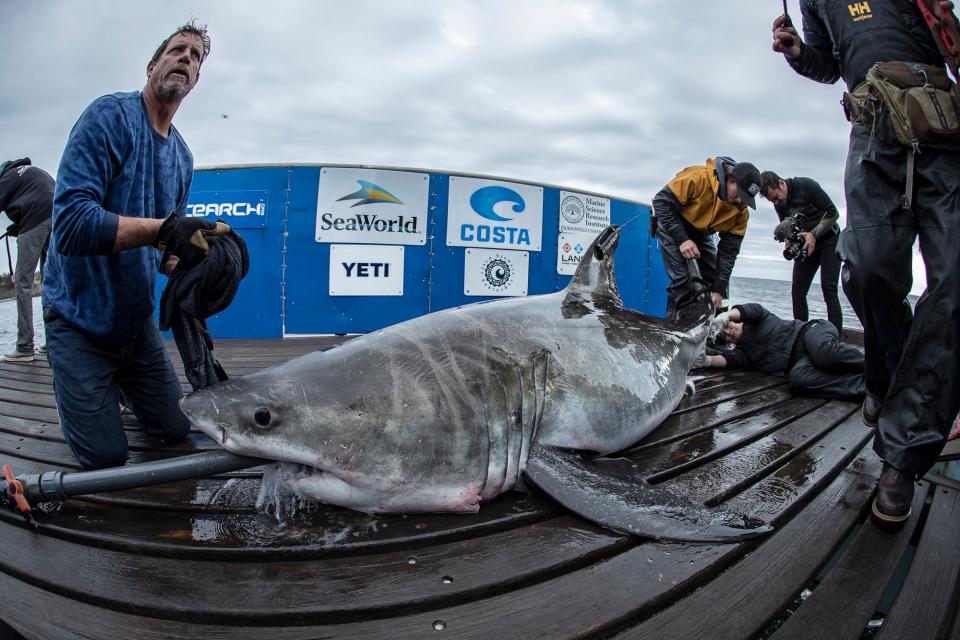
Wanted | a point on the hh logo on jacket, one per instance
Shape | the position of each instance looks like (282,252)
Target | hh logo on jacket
(860,11)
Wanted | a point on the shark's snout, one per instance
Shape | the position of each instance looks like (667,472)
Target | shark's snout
(202,410)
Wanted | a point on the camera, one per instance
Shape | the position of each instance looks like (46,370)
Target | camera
(794,246)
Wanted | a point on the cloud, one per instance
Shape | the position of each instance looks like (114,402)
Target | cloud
(608,96)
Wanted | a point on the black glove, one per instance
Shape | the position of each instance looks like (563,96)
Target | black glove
(12,230)
(784,229)
(186,238)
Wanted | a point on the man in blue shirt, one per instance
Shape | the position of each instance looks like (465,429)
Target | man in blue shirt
(124,175)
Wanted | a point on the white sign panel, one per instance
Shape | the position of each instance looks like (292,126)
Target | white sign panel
(581,213)
(372,206)
(364,270)
(490,272)
(571,247)
(492,214)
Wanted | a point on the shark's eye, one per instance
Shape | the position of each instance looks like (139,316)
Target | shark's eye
(262,416)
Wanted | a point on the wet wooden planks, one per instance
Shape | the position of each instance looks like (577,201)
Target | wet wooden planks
(198,559)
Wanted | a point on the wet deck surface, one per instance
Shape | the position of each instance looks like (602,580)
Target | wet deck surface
(196,559)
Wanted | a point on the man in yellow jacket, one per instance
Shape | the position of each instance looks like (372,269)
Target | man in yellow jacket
(700,202)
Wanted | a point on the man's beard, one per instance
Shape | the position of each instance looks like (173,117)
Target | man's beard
(172,91)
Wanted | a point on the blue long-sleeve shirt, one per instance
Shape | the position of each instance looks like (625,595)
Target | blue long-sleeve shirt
(115,164)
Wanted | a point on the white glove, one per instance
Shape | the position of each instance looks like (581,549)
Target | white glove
(718,322)
(702,361)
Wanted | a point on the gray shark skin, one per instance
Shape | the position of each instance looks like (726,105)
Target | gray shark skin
(441,412)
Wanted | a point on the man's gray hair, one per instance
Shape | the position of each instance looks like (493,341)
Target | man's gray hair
(190,28)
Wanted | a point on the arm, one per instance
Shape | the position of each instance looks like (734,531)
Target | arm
(668,207)
(820,199)
(750,312)
(813,57)
(727,251)
(95,149)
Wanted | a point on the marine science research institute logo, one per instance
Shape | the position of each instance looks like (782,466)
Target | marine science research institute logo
(369,194)
(496,204)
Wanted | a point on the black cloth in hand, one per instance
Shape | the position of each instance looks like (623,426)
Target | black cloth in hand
(193,295)
(12,230)
(186,238)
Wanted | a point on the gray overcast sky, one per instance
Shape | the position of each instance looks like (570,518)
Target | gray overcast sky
(608,96)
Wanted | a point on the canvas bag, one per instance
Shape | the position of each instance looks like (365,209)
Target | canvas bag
(921,100)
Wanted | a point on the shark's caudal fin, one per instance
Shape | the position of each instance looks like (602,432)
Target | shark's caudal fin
(595,278)
(611,493)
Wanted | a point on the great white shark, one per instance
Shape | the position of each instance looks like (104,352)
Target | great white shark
(448,410)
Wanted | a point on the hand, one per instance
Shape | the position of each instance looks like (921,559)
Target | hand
(809,242)
(784,229)
(718,322)
(689,250)
(186,238)
(782,35)
(170,265)
(702,360)
(717,299)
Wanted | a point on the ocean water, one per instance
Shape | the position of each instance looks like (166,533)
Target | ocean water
(775,296)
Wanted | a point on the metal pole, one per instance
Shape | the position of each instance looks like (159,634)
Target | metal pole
(9,259)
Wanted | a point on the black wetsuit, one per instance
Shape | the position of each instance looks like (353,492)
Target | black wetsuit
(810,354)
(912,362)
(813,211)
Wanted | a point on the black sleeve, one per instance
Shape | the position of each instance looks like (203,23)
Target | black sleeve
(727,251)
(823,203)
(751,312)
(817,60)
(667,209)
(6,188)
(735,359)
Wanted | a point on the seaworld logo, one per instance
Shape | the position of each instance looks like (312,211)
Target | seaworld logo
(485,202)
(369,222)
(370,193)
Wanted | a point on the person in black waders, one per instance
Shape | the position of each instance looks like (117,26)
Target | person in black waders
(124,170)
(26,196)
(805,210)
(699,204)
(895,191)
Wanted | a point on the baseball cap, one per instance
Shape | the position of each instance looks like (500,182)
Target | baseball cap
(748,183)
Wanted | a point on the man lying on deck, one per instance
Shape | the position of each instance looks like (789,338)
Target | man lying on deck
(809,354)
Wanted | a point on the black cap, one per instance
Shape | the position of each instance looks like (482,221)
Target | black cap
(748,183)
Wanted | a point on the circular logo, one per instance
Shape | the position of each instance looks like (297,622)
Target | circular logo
(497,272)
(572,209)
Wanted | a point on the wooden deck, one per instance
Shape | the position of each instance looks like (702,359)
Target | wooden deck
(196,559)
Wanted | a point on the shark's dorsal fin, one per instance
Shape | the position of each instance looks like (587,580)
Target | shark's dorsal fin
(595,278)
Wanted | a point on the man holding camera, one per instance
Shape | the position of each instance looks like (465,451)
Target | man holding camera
(896,191)
(808,216)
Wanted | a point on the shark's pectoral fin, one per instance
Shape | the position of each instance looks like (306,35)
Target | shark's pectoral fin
(610,492)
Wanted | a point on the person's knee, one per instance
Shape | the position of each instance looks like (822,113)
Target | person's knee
(103,457)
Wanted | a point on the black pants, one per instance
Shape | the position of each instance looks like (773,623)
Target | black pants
(912,362)
(825,367)
(826,260)
(676,266)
